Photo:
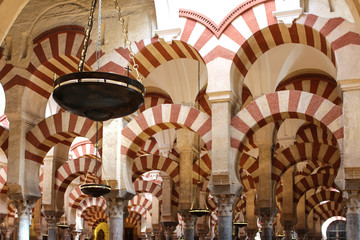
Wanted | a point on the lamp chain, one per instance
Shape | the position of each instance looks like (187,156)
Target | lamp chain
(87,36)
(98,43)
(127,41)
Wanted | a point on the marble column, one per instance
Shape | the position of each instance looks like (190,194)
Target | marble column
(24,209)
(352,201)
(169,229)
(225,205)
(51,221)
(188,224)
(116,209)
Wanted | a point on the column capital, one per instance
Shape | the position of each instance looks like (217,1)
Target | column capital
(225,203)
(169,228)
(116,207)
(188,219)
(267,221)
(24,207)
(351,200)
(52,217)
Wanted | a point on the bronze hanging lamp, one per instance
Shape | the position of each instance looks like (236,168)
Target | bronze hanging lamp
(97,95)
(241,223)
(63,225)
(199,212)
(95,189)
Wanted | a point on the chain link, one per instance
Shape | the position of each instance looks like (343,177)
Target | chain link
(127,41)
(87,36)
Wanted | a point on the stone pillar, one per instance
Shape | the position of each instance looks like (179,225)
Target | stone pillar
(267,227)
(288,210)
(51,218)
(189,224)
(225,205)
(169,229)
(24,210)
(352,201)
(116,208)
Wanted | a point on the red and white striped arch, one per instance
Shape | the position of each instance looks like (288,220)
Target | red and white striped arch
(133,218)
(143,186)
(75,197)
(138,209)
(141,201)
(55,51)
(163,117)
(4,139)
(89,202)
(314,83)
(59,128)
(205,169)
(151,54)
(248,182)
(153,99)
(73,169)
(312,181)
(302,152)
(282,105)
(328,210)
(155,162)
(312,133)
(95,216)
(321,195)
(250,164)
(317,166)
(3,180)
(81,149)
(250,30)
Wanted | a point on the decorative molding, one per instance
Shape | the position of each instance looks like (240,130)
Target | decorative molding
(352,173)
(349,85)
(58,30)
(168,35)
(287,17)
(211,25)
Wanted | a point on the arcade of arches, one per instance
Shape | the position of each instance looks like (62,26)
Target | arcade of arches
(272,133)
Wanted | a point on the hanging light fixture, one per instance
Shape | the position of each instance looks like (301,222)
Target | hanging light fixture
(95,189)
(97,95)
(63,225)
(199,212)
(240,223)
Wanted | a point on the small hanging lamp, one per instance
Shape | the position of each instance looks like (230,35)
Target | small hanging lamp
(240,223)
(97,95)
(199,212)
(95,189)
(63,225)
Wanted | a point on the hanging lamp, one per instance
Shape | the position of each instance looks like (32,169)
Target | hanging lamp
(63,225)
(241,223)
(95,189)
(199,212)
(97,95)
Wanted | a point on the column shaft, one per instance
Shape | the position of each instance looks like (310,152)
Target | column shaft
(116,210)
